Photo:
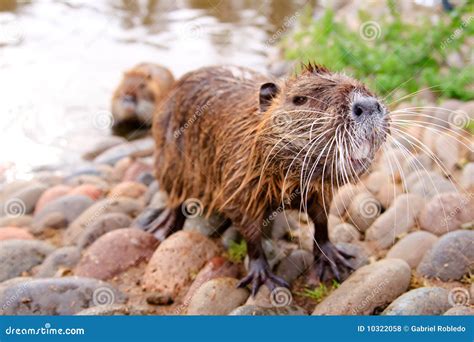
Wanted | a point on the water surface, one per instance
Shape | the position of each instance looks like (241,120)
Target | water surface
(61,60)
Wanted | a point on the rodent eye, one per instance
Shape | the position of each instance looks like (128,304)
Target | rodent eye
(299,100)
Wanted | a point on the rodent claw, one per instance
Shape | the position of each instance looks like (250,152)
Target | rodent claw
(259,274)
(329,261)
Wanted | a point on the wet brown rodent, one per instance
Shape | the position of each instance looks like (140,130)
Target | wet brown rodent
(244,145)
(135,99)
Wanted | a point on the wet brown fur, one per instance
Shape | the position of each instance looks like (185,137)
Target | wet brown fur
(214,144)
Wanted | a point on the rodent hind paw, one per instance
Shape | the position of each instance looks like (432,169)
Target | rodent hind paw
(330,263)
(260,274)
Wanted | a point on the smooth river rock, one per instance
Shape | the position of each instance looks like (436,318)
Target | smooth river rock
(447,212)
(217,267)
(115,310)
(217,297)
(128,189)
(16,221)
(206,226)
(62,259)
(430,184)
(115,252)
(368,289)
(292,266)
(18,256)
(344,232)
(14,233)
(398,219)
(123,205)
(421,301)
(51,194)
(450,258)
(23,201)
(69,206)
(104,224)
(254,310)
(342,199)
(412,247)
(176,261)
(363,210)
(137,148)
(460,310)
(57,296)
(467,179)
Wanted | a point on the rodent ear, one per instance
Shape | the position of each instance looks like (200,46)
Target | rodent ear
(268,91)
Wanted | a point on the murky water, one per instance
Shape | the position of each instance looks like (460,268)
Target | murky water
(61,60)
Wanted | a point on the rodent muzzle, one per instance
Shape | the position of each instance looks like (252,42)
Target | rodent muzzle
(366,107)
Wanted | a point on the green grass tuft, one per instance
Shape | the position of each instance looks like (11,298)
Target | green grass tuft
(237,251)
(320,292)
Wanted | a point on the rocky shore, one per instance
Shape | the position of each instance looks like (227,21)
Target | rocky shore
(68,242)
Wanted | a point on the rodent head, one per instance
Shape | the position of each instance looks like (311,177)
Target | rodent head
(135,98)
(322,125)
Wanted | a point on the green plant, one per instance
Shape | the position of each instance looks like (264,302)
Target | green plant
(320,292)
(402,59)
(237,251)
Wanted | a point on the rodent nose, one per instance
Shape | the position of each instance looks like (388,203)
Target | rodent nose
(366,106)
(129,98)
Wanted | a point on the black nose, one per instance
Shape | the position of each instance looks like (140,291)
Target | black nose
(366,106)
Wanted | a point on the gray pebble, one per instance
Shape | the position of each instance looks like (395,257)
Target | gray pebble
(368,289)
(57,296)
(18,256)
(412,247)
(421,301)
(451,257)
(460,310)
(115,310)
(65,257)
(254,310)
(294,265)
(101,226)
(69,206)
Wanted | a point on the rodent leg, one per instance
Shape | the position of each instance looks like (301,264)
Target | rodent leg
(328,259)
(161,222)
(259,270)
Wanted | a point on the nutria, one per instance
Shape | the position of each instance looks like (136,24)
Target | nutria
(245,145)
(135,99)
